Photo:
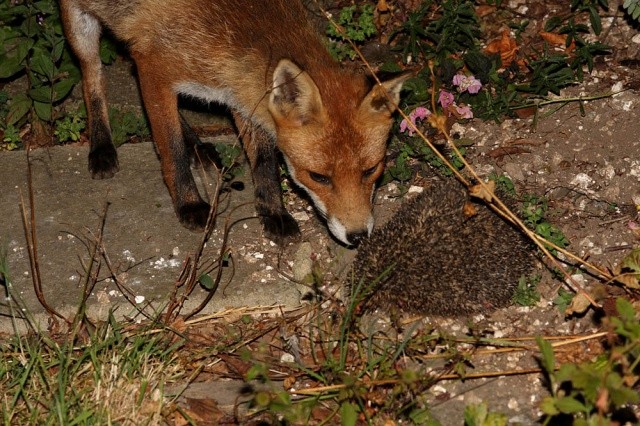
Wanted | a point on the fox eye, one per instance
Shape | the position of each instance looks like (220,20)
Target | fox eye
(322,179)
(367,173)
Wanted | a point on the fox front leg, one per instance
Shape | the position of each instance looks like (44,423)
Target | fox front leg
(262,154)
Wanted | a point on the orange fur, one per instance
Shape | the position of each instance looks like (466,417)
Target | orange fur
(266,63)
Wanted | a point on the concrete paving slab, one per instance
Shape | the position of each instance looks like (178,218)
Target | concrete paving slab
(142,236)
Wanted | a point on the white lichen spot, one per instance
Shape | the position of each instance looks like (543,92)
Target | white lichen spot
(414,189)
(513,404)
(617,88)
(579,279)
(139,299)
(287,357)
(163,263)
(128,256)
(582,180)
(175,252)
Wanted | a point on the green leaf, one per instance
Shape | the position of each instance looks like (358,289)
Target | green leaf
(348,414)
(552,23)
(41,94)
(632,261)
(206,281)
(548,406)
(594,18)
(390,67)
(62,89)
(42,64)
(422,416)
(475,414)
(18,108)
(547,358)
(570,405)
(9,66)
(625,309)
(44,110)
(12,61)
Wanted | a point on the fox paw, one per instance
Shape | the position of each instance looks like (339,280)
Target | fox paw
(280,227)
(103,162)
(194,216)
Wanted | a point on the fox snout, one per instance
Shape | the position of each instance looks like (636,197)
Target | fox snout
(350,237)
(342,197)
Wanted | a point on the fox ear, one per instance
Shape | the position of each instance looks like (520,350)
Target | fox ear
(384,97)
(295,99)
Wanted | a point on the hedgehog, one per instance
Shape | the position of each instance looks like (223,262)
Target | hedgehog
(434,258)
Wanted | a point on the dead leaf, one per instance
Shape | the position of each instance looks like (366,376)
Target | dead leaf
(558,40)
(206,410)
(438,121)
(506,47)
(507,150)
(484,10)
(628,280)
(602,401)
(382,14)
(180,420)
(235,364)
(483,192)
(627,272)
(525,112)
(321,413)
(289,381)
(579,304)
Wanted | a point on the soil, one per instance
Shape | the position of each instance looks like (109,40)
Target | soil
(585,159)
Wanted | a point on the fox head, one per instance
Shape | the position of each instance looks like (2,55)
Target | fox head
(334,144)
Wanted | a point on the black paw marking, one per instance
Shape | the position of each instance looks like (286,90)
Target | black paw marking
(280,227)
(194,216)
(103,162)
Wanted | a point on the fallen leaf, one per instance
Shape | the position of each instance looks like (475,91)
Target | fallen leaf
(483,192)
(525,112)
(235,364)
(484,10)
(289,381)
(558,40)
(206,410)
(628,280)
(507,150)
(579,304)
(506,47)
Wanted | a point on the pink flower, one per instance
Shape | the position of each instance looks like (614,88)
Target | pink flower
(467,83)
(420,114)
(445,98)
(464,111)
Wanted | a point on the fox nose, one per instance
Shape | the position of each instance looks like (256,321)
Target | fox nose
(355,238)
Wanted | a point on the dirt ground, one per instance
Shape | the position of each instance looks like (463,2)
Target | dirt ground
(586,164)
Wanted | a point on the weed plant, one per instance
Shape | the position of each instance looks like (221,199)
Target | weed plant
(33,45)
(599,391)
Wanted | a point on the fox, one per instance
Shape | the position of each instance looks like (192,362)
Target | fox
(270,67)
